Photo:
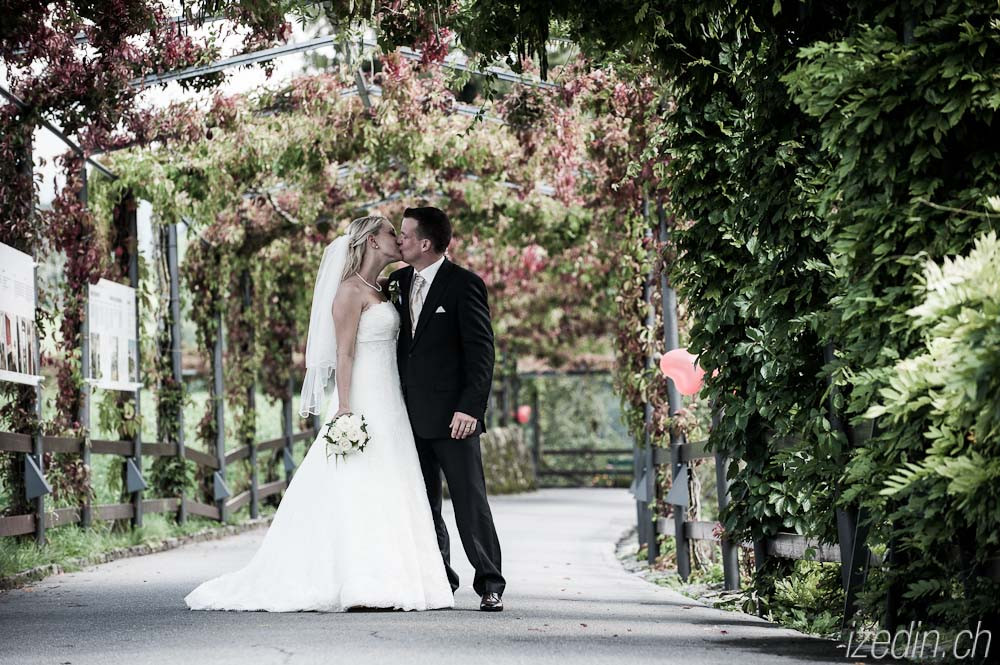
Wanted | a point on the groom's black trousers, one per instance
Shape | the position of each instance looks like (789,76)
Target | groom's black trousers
(461,461)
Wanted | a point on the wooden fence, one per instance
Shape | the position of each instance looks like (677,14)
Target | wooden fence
(133,450)
(505,398)
(41,519)
(850,552)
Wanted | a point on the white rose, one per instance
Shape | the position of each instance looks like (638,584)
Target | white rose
(356,433)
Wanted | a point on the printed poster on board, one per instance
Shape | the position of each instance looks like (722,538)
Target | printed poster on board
(18,336)
(114,350)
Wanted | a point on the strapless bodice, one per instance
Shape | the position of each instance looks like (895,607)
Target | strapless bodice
(379,323)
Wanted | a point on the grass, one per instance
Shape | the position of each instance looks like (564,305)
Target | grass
(69,542)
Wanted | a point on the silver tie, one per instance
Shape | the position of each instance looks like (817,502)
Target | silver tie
(416,301)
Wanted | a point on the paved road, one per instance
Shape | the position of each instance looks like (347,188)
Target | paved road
(568,597)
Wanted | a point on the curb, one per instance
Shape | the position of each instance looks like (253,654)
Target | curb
(39,573)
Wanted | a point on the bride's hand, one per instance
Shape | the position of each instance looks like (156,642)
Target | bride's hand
(341,411)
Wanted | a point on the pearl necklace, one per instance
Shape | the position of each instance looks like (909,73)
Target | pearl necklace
(377,288)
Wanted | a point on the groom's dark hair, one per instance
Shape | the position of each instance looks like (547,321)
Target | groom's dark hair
(433,225)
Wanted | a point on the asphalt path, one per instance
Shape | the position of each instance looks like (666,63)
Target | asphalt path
(568,599)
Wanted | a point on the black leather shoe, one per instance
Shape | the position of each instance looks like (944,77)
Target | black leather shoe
(491,602)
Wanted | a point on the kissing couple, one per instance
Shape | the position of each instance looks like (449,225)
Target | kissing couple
(368,532)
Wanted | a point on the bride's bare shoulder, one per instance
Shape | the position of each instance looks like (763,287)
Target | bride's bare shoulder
(349,296)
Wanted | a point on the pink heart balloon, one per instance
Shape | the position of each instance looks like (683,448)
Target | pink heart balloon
(681,367)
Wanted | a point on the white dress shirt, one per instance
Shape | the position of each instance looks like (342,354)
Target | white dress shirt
(427,274)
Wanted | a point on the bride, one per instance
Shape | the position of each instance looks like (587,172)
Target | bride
(354,531)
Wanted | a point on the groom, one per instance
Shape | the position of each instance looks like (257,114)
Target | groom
(445,355)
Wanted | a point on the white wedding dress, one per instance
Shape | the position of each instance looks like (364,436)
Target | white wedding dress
(354,530)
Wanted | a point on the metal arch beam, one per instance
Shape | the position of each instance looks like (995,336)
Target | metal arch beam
(236,61)
(316,43)
(174,22)
(499,72)
(14,99)
(456,106)
(346,92)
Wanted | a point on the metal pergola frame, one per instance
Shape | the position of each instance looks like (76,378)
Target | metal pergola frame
(264,55)
(362,88)
(176,21)
(75,147)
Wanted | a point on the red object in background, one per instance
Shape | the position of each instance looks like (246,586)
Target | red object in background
(681,367)
(523,414)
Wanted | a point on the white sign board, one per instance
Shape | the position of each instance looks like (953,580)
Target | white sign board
(18,336)
(114,350)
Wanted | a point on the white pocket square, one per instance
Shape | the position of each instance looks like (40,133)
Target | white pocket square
(439,310)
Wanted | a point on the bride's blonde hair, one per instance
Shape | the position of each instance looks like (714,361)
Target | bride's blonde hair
(357,234)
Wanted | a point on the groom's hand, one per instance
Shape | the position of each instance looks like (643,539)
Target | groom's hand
(462,425)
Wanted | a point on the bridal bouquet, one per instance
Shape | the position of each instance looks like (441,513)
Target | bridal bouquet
(346,434)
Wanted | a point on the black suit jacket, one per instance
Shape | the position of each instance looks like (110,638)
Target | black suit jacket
(447,364)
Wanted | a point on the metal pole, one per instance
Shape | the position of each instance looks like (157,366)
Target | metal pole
(86,511)
(671,341)
(133,278)
(536,430)
(515,389)
(175,350)
(220,416)
(286,428)
(36,438)
(26,168)
(251,400)
(504,398)
(643,458)
(652,486)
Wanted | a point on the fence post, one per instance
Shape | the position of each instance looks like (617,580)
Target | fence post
(251,400)
(851,532)
(175,350)
(730,550)
(221,492)
(894,595)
